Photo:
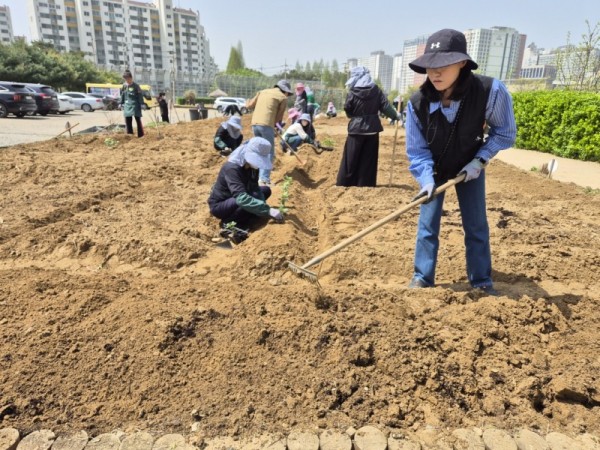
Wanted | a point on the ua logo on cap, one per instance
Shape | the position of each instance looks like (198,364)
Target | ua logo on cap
(435,45)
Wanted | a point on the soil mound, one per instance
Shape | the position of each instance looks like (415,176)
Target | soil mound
(117,309)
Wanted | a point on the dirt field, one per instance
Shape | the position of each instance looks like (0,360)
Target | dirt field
(118,311)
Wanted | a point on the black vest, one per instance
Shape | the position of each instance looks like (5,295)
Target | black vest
(452,153)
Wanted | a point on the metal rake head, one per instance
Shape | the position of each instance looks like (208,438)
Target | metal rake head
(311,276)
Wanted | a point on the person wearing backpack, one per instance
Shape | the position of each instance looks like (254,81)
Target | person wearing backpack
(444,138)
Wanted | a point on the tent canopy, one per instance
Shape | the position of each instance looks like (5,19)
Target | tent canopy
(218,93)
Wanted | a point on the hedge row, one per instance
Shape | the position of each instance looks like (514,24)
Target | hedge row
(204,100)
(563,123)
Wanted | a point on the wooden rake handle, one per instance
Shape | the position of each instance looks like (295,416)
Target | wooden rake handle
(346,242)
(294,152)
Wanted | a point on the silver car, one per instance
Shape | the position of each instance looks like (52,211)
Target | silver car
(65,104)
(84,101)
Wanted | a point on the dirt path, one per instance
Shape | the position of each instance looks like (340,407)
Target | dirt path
(117,309)
(582,173)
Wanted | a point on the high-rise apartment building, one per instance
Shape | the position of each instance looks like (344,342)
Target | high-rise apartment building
(397,69)
(159,43)
(379,64)
(413,48)
(6,29)
(498,51)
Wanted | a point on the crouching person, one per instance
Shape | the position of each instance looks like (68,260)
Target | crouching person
(298,133)
(236,196)
(229,136)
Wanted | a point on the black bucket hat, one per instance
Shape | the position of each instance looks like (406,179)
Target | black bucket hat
(443,48)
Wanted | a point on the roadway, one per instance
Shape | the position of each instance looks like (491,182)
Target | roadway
(14,130)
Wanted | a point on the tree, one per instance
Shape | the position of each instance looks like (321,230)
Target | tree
(235,62)
(578,66)
(39,62)
(240,50)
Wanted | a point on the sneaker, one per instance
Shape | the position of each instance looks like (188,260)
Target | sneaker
(264,183)
(489,290)
(417,283)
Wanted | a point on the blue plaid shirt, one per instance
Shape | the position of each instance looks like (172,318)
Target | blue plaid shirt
(499,116)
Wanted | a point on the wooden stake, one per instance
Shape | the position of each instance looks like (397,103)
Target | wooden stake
(68,128)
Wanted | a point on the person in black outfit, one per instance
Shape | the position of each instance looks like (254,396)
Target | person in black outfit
(232,110)
(236,195)
(164,107)
(229,136)
(361,151)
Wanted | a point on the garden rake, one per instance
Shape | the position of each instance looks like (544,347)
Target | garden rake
(312,276)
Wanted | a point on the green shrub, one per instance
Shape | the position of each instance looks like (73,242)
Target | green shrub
(563,123)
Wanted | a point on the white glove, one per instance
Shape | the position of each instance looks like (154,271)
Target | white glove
(276,214)
(472,170)
(426,191)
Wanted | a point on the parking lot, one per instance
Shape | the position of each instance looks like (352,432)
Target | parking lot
(14,130)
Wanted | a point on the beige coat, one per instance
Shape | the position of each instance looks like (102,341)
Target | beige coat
(269,107)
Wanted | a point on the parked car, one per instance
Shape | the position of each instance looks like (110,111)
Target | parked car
(16,99)
(110,103)
(46,98)
(221,103)
(85,101)
(65,104)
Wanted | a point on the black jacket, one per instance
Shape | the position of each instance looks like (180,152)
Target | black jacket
(222,136)
(363,106)
(232,181)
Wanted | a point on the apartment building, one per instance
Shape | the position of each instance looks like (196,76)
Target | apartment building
(397,69)
(6,29)
(498,51)
(412,49)
(162,45)
(379,64)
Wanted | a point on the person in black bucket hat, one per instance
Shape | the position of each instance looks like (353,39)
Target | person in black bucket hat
(444,47)
(444,138)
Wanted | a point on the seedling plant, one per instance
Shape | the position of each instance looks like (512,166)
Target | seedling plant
(285,194)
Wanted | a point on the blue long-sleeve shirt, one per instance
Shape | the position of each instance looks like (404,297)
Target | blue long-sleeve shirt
(499,116)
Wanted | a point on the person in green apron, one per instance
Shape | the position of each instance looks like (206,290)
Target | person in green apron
(132,100)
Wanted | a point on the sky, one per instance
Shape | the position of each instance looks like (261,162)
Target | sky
(276,33)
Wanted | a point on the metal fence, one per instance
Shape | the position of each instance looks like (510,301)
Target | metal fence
(247,87)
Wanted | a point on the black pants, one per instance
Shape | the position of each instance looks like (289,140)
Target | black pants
(229,211)
(359,161)
(138,121)
(165,117)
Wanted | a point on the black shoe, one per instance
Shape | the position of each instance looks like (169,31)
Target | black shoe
(234,234)
(489,290)
(417,283)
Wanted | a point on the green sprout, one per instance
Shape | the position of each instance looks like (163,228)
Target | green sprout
(231,225)
(110,142)
(285,194)
(328,142)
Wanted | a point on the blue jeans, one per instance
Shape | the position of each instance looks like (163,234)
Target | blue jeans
(471,199)
(268,133)
(294,141)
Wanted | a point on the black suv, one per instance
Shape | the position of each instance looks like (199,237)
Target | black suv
(15,99)
(46,98)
